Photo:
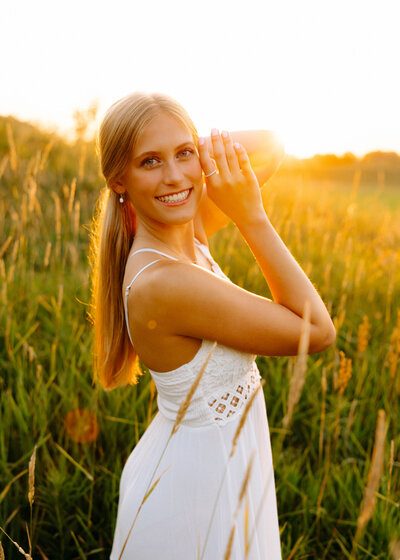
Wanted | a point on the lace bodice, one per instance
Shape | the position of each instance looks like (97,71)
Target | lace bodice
(227,382)
(229,379)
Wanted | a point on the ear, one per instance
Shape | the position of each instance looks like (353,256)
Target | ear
(118,187)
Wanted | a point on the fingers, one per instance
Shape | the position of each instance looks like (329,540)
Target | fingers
(230,153)
(244,161)
(219,152)
(205,159)
(230,159)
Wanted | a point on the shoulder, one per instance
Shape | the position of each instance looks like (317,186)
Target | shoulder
(173,286)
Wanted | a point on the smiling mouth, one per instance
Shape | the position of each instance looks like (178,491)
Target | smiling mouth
(176,197)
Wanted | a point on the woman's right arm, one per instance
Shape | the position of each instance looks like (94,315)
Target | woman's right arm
(196,303)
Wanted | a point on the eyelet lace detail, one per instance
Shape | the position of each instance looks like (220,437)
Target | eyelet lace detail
(230,402)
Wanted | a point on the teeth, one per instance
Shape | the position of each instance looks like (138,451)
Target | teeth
(174,197)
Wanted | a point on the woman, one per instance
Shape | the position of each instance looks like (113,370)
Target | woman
(160,296)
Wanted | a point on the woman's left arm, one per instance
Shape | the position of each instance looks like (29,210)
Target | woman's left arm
(266,154)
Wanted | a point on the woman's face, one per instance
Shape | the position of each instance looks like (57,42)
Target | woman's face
(164,177)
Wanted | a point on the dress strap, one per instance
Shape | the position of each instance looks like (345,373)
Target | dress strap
(134,278)
(150,251)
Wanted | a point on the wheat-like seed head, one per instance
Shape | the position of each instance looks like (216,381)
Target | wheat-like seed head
(11,144)
(246,529)
(244,416)
(300,369)
(31,477)
(5,246)
(246,479)
(228,550)
(185,404)
(374,476)
(363,335)
(345,370)
(71,196)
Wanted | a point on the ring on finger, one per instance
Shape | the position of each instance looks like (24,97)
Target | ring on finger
(212,173)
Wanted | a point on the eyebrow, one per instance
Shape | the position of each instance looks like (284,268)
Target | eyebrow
(154,152)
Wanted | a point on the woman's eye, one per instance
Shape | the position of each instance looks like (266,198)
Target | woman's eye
(148,162)
(186,153)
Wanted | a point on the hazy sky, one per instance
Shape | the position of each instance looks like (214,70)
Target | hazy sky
(323,74)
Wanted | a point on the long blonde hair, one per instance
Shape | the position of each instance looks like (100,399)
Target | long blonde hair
(113,230)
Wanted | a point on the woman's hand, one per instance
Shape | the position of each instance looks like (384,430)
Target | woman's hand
(233,187)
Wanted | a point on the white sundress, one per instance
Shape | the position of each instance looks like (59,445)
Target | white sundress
(195,468)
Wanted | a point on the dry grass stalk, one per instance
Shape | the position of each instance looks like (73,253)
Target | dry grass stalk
(363,335)
(29,540)
(47,255)
(32,190)
(152,393)
(246,529)
(246,480)
(76,220)
(228,551)
(57,218)
(391,463)
(14,252)
(188,399)
(3,165)
(327,276)
(243,417)
(19,548)
(152,487)
(31,477)
(242,494)
(345,370)
(6,489)
(42,553)
(325,477)
(2,557)
(45,155)
(5,246)
(341,382)
(374,476)
(350,418)
(71,195)
(295,548)
(323,412)
(11,144)
(300,369)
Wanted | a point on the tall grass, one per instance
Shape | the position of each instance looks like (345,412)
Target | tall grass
(345,236)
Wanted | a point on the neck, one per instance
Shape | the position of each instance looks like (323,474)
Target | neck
(179,239)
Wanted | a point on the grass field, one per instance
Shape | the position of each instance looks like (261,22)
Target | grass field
(330,485)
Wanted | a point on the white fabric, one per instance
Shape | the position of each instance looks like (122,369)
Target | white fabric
(173,522)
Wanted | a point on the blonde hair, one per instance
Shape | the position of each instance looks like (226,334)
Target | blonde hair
(113,230)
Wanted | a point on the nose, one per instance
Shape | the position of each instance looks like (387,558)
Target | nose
(173,174)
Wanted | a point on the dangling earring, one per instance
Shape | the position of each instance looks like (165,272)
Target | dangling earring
(121,199)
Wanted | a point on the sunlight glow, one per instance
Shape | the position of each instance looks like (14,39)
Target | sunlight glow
(322,75)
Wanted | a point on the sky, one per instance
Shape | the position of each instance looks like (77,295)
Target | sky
(324,75)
